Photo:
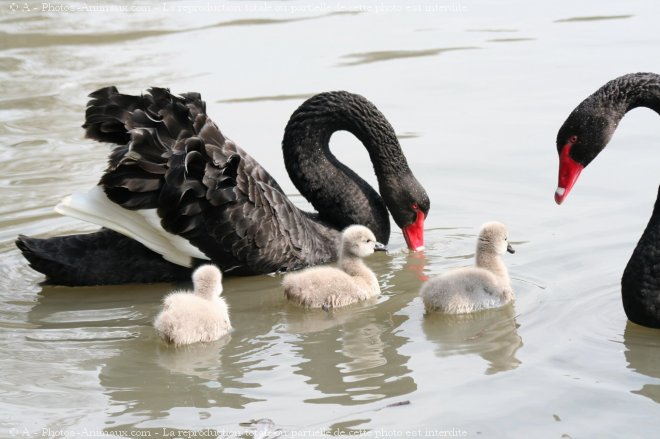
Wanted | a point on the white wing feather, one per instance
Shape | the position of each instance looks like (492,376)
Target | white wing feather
(141,225)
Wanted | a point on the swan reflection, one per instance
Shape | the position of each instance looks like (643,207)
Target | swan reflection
(351,356)
(492,334)
(643,356)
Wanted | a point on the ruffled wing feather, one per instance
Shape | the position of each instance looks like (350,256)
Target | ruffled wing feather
(172,157)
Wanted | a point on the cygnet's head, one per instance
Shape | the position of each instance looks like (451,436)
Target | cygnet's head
(358,241)
(494,237)
(207,280)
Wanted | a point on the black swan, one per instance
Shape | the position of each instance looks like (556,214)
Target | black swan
(177,192)
(581,138)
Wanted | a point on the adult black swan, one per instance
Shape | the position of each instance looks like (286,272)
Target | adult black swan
(584,134)
(177,192)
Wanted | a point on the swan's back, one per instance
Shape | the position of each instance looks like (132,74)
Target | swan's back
(353,281)
(329,286)
(195,316)
(187,318)
(173,158)
(464,290)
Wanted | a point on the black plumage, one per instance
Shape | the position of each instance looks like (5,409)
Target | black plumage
(84,259)
(640,284)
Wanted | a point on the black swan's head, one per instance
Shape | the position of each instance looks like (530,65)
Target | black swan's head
(340,195)
(408,204)
(580,139)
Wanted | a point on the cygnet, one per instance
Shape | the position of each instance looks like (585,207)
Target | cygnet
(470,289)
(333,287)
(193,316)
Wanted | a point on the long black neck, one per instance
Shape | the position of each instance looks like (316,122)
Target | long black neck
(339,195)
(640,284)
(627,92)
(597,117)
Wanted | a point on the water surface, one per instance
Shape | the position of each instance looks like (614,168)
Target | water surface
(478,127)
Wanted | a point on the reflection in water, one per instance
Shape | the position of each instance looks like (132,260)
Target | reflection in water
(349,356)
(412,270)
(643,356)
(415,263)
(388,55)
(200,359)
(306,321)
(359,363)
(492,30)
(263,428)
(267,98)
(352,355)
(269,21)
(407,135)
(37,39)
(492,334)
(593,18)
(509,40)
(143,378)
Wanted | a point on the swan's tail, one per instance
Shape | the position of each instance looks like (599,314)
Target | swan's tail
(143,226)
(104,257)
(110,115)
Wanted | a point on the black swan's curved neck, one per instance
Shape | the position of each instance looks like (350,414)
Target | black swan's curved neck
(631,91)
(339,195)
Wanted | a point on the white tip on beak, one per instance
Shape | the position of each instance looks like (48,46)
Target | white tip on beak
(560,191)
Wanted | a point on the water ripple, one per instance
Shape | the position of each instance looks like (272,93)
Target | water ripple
(593,18)
(389,55)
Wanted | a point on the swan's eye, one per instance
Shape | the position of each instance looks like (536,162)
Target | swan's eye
(415,206)
(573,139)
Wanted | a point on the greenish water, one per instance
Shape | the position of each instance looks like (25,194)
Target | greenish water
(476,92)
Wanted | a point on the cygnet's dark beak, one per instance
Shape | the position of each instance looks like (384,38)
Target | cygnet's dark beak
(510,249)
(378,247)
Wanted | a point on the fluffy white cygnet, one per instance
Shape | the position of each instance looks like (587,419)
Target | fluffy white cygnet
(193,316)
(351,282)
(469,289)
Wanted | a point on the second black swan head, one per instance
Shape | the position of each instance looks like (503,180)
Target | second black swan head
(590,126)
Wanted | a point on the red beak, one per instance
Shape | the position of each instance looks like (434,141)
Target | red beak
(414,233)
(569,171)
